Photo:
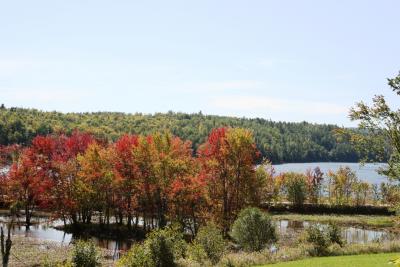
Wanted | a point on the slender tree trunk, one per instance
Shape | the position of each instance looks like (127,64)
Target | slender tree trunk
(129,219)
(121,217)
(225,209)
(5,246)
(129,216)
(27,216)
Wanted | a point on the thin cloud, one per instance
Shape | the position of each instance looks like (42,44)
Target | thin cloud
(23,95)
(223,86)
(247,103)
(14,66)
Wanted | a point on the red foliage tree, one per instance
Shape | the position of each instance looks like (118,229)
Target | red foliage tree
(127,177)
(26,183)
(42,175)
(228,163)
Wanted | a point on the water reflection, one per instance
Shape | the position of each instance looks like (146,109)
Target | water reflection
(352,235)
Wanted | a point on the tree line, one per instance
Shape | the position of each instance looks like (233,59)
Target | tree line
(277,141)
(338,189)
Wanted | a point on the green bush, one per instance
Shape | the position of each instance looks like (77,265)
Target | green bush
(197,253)
(161,248)
(49,263)
(85,254)
(320,242)
(174,235)
(253,229)
(210,239)
(137,256)
(334,236)
(321,238)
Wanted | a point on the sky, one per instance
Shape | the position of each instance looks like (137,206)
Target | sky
(298,60)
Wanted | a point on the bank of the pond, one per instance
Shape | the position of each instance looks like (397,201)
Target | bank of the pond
(36,252)
(26,251)
(369,260)
(326,208)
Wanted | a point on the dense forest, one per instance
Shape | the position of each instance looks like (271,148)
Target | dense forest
(278,141)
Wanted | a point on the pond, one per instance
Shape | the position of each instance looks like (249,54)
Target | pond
(43,228)
(290,230)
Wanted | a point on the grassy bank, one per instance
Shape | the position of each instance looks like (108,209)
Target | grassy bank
(301,252)
(36,252)
(370,260)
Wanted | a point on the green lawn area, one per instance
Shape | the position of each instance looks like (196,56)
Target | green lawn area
(368,260)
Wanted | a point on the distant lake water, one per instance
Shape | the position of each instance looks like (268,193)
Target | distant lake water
(366,172)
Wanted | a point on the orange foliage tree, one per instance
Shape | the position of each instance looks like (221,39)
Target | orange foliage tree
(228,160)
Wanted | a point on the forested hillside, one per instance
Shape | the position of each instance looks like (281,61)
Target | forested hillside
(279,141)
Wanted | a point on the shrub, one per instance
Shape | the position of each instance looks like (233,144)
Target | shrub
(49,263)
(197,253)
(334,236)
(253,229)
(174,235)
(160,249)
(85,254)
(210,239)
(137,256)
(320,242)
(322,238)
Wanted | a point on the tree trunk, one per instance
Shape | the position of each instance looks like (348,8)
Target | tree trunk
(27,216)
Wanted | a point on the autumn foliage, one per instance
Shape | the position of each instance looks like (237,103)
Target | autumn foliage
(227,163)
(147,180)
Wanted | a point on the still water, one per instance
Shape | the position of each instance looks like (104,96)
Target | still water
(290,230)
(366,172)
(43,228)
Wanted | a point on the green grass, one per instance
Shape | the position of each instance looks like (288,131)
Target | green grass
(369,260)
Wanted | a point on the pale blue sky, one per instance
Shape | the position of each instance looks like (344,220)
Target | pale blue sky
(280,60)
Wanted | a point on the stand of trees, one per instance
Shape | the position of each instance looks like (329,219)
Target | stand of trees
(340,188)
(277,141)
(152,178)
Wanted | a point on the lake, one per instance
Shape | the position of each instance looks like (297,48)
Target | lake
(366,172)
